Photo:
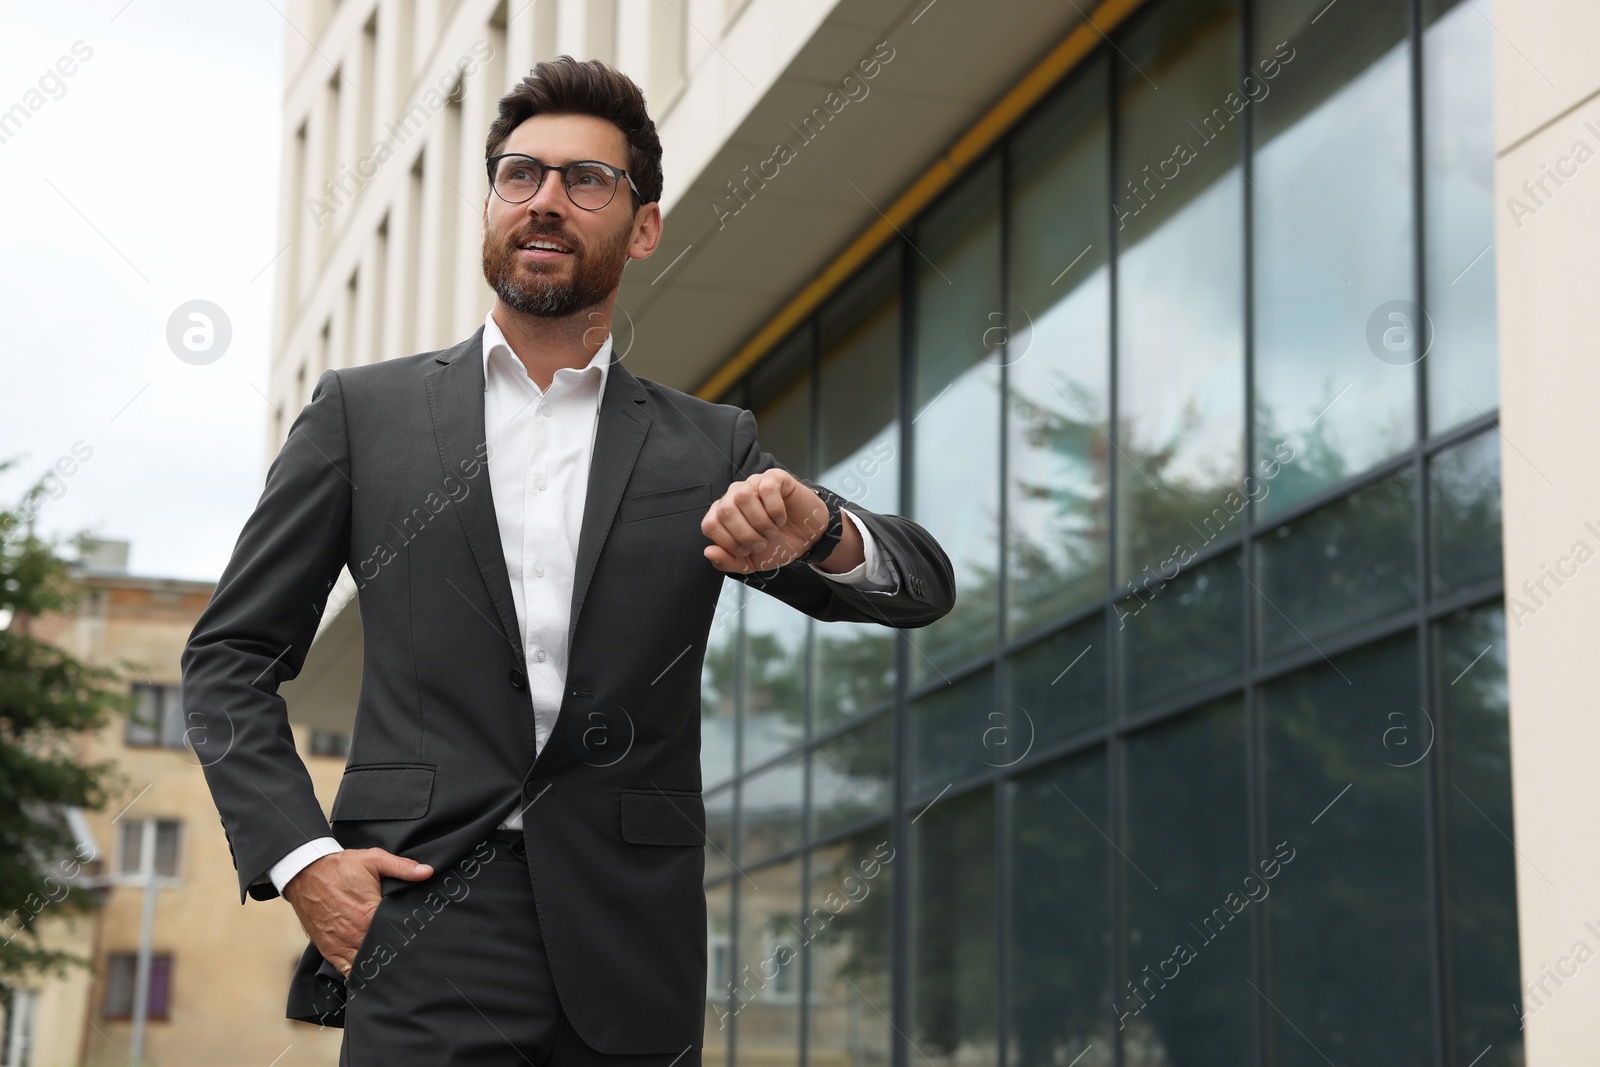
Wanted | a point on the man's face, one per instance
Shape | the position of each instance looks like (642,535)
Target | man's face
(592,247)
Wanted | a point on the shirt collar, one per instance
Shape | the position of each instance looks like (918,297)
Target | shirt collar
(493,337)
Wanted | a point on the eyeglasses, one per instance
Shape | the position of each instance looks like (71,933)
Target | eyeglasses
(590,184)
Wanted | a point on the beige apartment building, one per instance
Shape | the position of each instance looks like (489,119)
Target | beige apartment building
(1238,353)
(219,972)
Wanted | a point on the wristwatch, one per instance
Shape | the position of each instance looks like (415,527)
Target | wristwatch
(835,531)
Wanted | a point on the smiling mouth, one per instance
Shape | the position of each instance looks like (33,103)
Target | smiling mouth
(543,248)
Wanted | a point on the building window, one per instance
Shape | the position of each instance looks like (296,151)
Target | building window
(157,838)
(21,1029)
(120,973)
(158,720)
(1222,629)
(330,743)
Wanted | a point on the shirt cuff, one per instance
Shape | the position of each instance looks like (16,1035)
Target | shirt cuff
(876,573)
(301,858)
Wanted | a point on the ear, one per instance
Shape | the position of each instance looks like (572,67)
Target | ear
(646,231)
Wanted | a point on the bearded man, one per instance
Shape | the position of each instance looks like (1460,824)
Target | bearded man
(512,870)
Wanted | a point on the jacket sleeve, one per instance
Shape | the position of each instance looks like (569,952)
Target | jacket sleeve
(255,634)
(925,593)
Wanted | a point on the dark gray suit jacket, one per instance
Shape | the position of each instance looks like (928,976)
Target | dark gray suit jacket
(384,471)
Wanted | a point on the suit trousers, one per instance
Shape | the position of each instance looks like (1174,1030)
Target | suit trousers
(453,970)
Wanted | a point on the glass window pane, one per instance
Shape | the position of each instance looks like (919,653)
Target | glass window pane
(1334,249)
(1351,562)
(1181,633)
(769,818)
(1347,823)
(1056,687)
(717,687)
(1060,932)
(1180,275)
(130,858)
(859,382)
(851,776)
(780,393)
(956,424)
(952,950)
(774,706)
(167,834)
(767,987)
(720,1003)
(145,717)
(1458,184)
(847,935)
(1464,495)
(119,985)
(160,992)
(859,444)
(955,732)
(855,670)
(1480,862)
(719,833)
(1188,863)
(172,726)
(1058,357)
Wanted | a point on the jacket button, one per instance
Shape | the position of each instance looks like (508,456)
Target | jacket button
(518,679)
(519,847)
(531,788)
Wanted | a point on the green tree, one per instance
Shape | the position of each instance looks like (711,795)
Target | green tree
(48,701)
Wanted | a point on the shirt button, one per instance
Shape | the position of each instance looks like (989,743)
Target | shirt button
(538,570)
(518,679)
(539,484)
(544,409)
(539,655)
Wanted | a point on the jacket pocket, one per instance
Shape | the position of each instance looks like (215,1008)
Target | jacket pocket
(384,791)
(655,817)
(664,502)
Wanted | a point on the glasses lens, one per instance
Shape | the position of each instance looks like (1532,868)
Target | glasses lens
(591,185)
(516,179)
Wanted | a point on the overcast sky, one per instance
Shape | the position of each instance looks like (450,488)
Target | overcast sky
(145,179)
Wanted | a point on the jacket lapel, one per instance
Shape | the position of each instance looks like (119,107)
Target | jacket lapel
(455,401)
(455,388)
(618,438)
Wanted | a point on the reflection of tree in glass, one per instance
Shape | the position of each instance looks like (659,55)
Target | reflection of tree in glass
(857,933)
(774,682)
(952,929)
(1068,504)
(1480,871)
(852,775)
(855,670)
(1060,917)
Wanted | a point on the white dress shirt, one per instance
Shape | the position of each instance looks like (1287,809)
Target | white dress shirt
(540,444)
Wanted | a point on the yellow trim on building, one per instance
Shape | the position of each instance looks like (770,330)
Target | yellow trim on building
(1066,56)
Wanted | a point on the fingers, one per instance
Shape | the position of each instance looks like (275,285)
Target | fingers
(380,862)
(745,522)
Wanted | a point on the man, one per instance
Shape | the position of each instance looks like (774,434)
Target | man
(514,867)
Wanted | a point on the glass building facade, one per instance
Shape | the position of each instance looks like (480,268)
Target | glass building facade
(1209,765)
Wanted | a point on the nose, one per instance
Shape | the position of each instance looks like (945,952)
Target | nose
(550,200)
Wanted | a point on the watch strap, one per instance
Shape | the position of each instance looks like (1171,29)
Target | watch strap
(834,533)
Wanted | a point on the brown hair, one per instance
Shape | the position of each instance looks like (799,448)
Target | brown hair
(564,86)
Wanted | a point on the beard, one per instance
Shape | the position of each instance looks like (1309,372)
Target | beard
(534,289)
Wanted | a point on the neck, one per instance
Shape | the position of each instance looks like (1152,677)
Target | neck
(545,345)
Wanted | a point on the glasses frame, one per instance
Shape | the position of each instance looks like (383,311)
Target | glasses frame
(544,172)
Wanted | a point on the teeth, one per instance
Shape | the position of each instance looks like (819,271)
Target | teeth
(546,245)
